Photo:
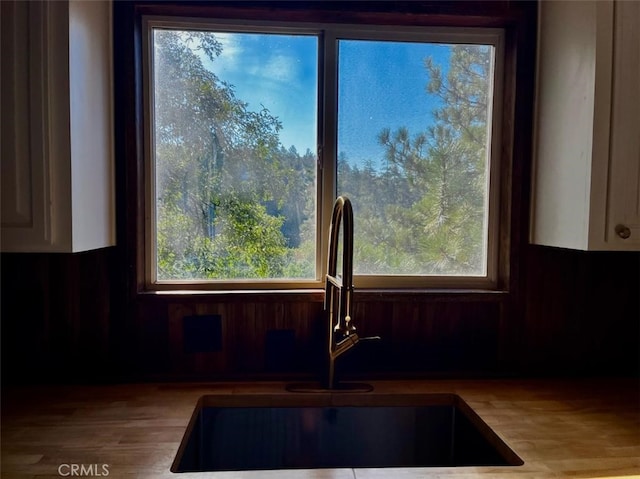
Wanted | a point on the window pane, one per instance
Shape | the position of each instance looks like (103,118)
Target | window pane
(234,148)
(413,156)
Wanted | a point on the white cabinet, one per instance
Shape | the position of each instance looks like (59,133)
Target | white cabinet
(586,176)
(57,127)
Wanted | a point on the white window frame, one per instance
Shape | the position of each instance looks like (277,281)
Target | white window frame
(328,37)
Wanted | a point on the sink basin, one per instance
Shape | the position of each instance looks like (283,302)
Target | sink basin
(256,432)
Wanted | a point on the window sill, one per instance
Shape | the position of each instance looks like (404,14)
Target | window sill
(431,295)
(317,295)
(256,295)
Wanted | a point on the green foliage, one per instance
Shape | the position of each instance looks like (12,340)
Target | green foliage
(428,213)
(227,191)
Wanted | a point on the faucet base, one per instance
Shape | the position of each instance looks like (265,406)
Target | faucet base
(315,387)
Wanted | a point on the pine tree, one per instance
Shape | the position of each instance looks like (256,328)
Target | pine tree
(445,167)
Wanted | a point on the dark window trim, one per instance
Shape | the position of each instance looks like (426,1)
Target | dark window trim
(517,18)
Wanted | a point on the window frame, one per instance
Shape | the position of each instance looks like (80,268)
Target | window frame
(328,35)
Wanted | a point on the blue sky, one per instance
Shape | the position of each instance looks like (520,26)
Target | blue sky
(279,72)
(381,84)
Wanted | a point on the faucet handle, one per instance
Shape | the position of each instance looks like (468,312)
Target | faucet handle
(346,328)
(370,338)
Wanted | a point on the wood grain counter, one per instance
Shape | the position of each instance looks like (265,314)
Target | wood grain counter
(560,428)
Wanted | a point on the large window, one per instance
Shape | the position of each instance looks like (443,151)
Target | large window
(253,130)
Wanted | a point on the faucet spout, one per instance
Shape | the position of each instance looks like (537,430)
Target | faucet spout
(338,302)
(339,288)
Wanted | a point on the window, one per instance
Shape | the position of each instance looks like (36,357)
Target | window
(232,202)
(253,130)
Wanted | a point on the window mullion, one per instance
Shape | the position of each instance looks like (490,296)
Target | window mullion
(327,140)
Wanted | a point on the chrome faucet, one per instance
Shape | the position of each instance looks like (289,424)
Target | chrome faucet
(339,289)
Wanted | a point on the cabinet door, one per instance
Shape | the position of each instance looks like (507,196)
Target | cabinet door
(26,214)
(573,111)
(623,218)
(56,134)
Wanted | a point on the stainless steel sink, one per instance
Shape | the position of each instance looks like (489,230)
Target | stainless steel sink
(257,432)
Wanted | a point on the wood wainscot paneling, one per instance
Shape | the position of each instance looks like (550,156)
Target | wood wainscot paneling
(427,337)
(243,338)
(582,312)
(266,339)
(56,316)
(60,323)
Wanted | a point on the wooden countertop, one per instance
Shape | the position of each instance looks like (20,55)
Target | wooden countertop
(560,428)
